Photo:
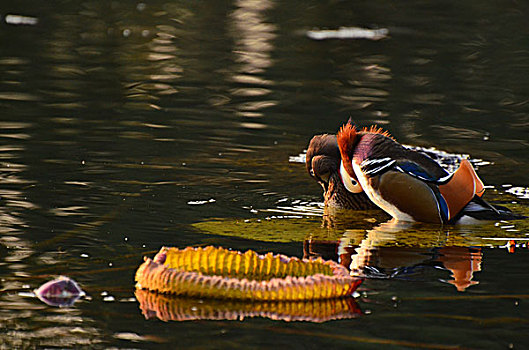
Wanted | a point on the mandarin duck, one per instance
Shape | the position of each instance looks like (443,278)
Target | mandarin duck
(323,165)
(409,185)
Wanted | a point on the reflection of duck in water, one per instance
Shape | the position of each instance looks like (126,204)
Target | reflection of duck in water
(383,253)
(462,262)
(373,259)
(407,184)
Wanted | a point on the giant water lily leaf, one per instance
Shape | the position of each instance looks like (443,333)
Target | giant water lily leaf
(285,227)
(384,234)
(224,274)
(275,230)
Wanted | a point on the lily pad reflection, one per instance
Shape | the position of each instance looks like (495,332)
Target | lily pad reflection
(171,308)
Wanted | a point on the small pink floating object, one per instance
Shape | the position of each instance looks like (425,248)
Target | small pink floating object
(62,291)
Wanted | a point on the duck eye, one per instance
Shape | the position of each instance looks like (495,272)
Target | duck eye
(311,172)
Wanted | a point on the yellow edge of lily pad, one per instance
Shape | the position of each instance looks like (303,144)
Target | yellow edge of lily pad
(224,274)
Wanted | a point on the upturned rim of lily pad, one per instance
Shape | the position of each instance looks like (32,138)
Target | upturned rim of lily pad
(220,273)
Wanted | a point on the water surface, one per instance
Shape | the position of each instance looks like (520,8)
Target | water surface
(127,126)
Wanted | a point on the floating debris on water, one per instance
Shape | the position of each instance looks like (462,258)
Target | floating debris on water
(348,33)
(21,20)
(62,291)
(133,337)
(211,200)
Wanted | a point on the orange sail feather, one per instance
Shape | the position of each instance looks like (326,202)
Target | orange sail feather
(462,187)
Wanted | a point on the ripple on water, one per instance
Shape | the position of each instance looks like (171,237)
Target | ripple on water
(116,115)
(519,192)
(449,161)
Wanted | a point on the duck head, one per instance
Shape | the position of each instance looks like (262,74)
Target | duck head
(323,165)
(347,139)
(351,150)
(323,158)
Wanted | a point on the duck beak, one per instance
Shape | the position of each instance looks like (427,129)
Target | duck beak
(349,183)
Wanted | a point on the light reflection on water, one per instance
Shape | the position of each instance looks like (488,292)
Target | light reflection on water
(116,116)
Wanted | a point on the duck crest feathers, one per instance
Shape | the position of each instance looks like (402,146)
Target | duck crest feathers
(347,139)
(374,129)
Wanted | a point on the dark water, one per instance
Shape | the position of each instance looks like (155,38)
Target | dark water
(119,118)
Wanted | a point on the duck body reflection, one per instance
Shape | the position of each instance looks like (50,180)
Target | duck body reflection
(385,252)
